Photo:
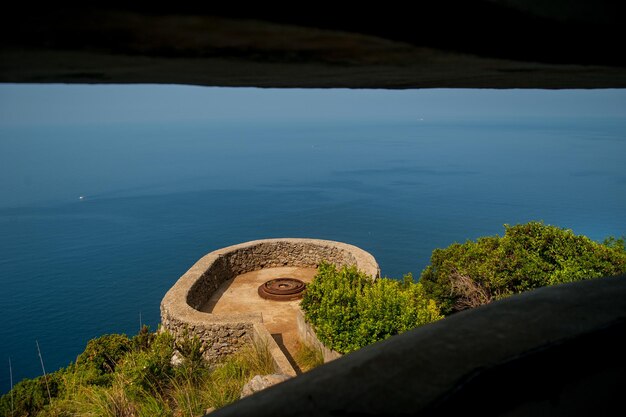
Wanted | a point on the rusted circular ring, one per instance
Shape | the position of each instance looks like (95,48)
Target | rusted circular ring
(282,289)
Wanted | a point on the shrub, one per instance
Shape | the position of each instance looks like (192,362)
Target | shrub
(140,380)
(105,352)
(28,394)
(144,339)
(528,256)
(349,310)
(148,371)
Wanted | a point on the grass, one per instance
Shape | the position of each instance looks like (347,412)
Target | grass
(308,357)
(140,381)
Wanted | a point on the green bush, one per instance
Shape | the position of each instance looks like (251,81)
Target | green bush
(349,310)
(144,339)
(105,352)
(148,368)
(118,376)
(29,394)
(528,256)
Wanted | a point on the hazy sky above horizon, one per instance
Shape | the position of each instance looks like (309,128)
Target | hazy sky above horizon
(61,104)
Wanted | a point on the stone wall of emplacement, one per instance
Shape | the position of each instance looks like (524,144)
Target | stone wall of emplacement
(223,334)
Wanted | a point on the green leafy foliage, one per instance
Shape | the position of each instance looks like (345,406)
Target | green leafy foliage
(528,256)
(191,350)
(147,367)
(104,352)
(118,376)
(29,394)
(349,310)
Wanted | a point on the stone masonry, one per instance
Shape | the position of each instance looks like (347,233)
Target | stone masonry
(223,334)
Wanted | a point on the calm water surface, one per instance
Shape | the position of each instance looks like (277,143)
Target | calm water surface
(159,196)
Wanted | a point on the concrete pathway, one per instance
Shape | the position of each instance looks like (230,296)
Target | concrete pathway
(239,295)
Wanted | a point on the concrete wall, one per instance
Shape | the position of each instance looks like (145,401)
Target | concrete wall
(281,363)
(308,336)
(223,334)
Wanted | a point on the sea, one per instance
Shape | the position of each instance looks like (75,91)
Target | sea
(97,221)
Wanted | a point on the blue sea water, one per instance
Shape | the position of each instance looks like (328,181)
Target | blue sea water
(158,196)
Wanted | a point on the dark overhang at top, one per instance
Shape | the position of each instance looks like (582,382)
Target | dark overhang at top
(443,43)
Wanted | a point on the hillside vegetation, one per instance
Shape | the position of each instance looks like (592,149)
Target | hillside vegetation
(349,310)
(121,376)
(128,377)
(528,256)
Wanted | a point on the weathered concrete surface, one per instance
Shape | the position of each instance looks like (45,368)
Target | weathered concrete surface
(240,295)
(307,335)
(446,43)
(555,351)
(282,364)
